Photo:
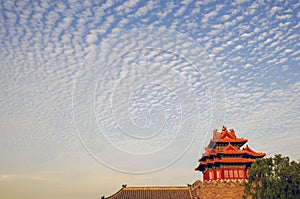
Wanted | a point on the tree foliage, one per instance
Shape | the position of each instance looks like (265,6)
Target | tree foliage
(273,178)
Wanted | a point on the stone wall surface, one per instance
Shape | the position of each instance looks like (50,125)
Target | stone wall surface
(220,189)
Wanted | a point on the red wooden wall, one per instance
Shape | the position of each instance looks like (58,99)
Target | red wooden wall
(225,173)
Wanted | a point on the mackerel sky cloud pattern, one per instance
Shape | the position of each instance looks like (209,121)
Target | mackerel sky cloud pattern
(254,46)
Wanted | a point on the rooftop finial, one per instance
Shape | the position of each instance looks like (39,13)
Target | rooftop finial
(224,128)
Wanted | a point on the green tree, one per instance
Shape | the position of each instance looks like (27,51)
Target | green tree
(273,178)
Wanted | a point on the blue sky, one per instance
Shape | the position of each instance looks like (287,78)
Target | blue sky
(95,92)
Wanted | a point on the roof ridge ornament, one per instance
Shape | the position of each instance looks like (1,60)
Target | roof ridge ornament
(224,128)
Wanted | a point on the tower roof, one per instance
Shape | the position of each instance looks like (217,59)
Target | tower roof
(231,150)
(228,152)
(225,136)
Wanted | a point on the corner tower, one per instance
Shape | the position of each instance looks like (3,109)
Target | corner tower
(224,159)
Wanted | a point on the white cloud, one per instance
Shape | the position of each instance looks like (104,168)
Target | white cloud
(238,47)
(91,38)
(241,1)
(248,66)
(275,10)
